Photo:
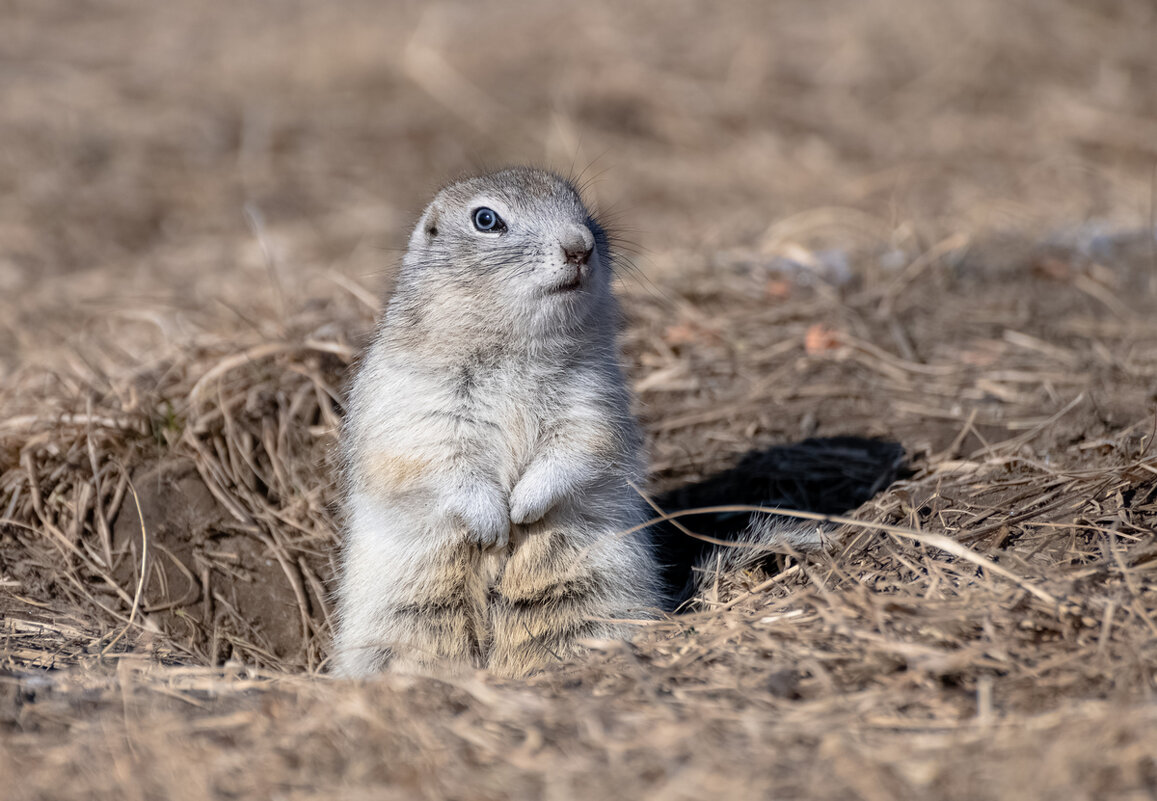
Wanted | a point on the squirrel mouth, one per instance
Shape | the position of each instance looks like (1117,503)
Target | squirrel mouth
(573,283)
(570,286)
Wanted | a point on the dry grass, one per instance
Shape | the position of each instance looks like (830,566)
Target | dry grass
(886,220)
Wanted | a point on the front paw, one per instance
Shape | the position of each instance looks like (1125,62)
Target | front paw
(484,517)
(530,501)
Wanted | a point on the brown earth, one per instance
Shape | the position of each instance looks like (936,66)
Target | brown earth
(889,258)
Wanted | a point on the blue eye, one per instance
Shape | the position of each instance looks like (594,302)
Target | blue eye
(488,220)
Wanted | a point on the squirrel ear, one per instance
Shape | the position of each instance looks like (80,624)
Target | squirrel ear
(429,222)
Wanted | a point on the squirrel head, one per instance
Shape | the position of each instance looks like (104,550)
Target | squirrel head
(511,253)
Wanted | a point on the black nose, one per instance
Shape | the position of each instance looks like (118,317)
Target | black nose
(577,253)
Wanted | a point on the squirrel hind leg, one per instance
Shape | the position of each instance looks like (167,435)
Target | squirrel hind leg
(355,661)
(553,595)
(431,620)
(534,631)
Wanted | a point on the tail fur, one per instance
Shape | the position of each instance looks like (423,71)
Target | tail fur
(829,476)
(695,567)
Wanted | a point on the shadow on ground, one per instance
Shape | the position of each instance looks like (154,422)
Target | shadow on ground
(829,475)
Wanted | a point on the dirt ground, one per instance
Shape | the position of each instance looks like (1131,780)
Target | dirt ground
(893,260)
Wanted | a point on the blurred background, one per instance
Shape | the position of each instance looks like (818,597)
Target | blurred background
(157,157)
(859,228)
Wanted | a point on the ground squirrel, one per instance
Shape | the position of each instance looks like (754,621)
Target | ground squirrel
(489,450)
(490,456)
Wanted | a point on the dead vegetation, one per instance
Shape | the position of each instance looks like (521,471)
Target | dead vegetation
(855,228)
